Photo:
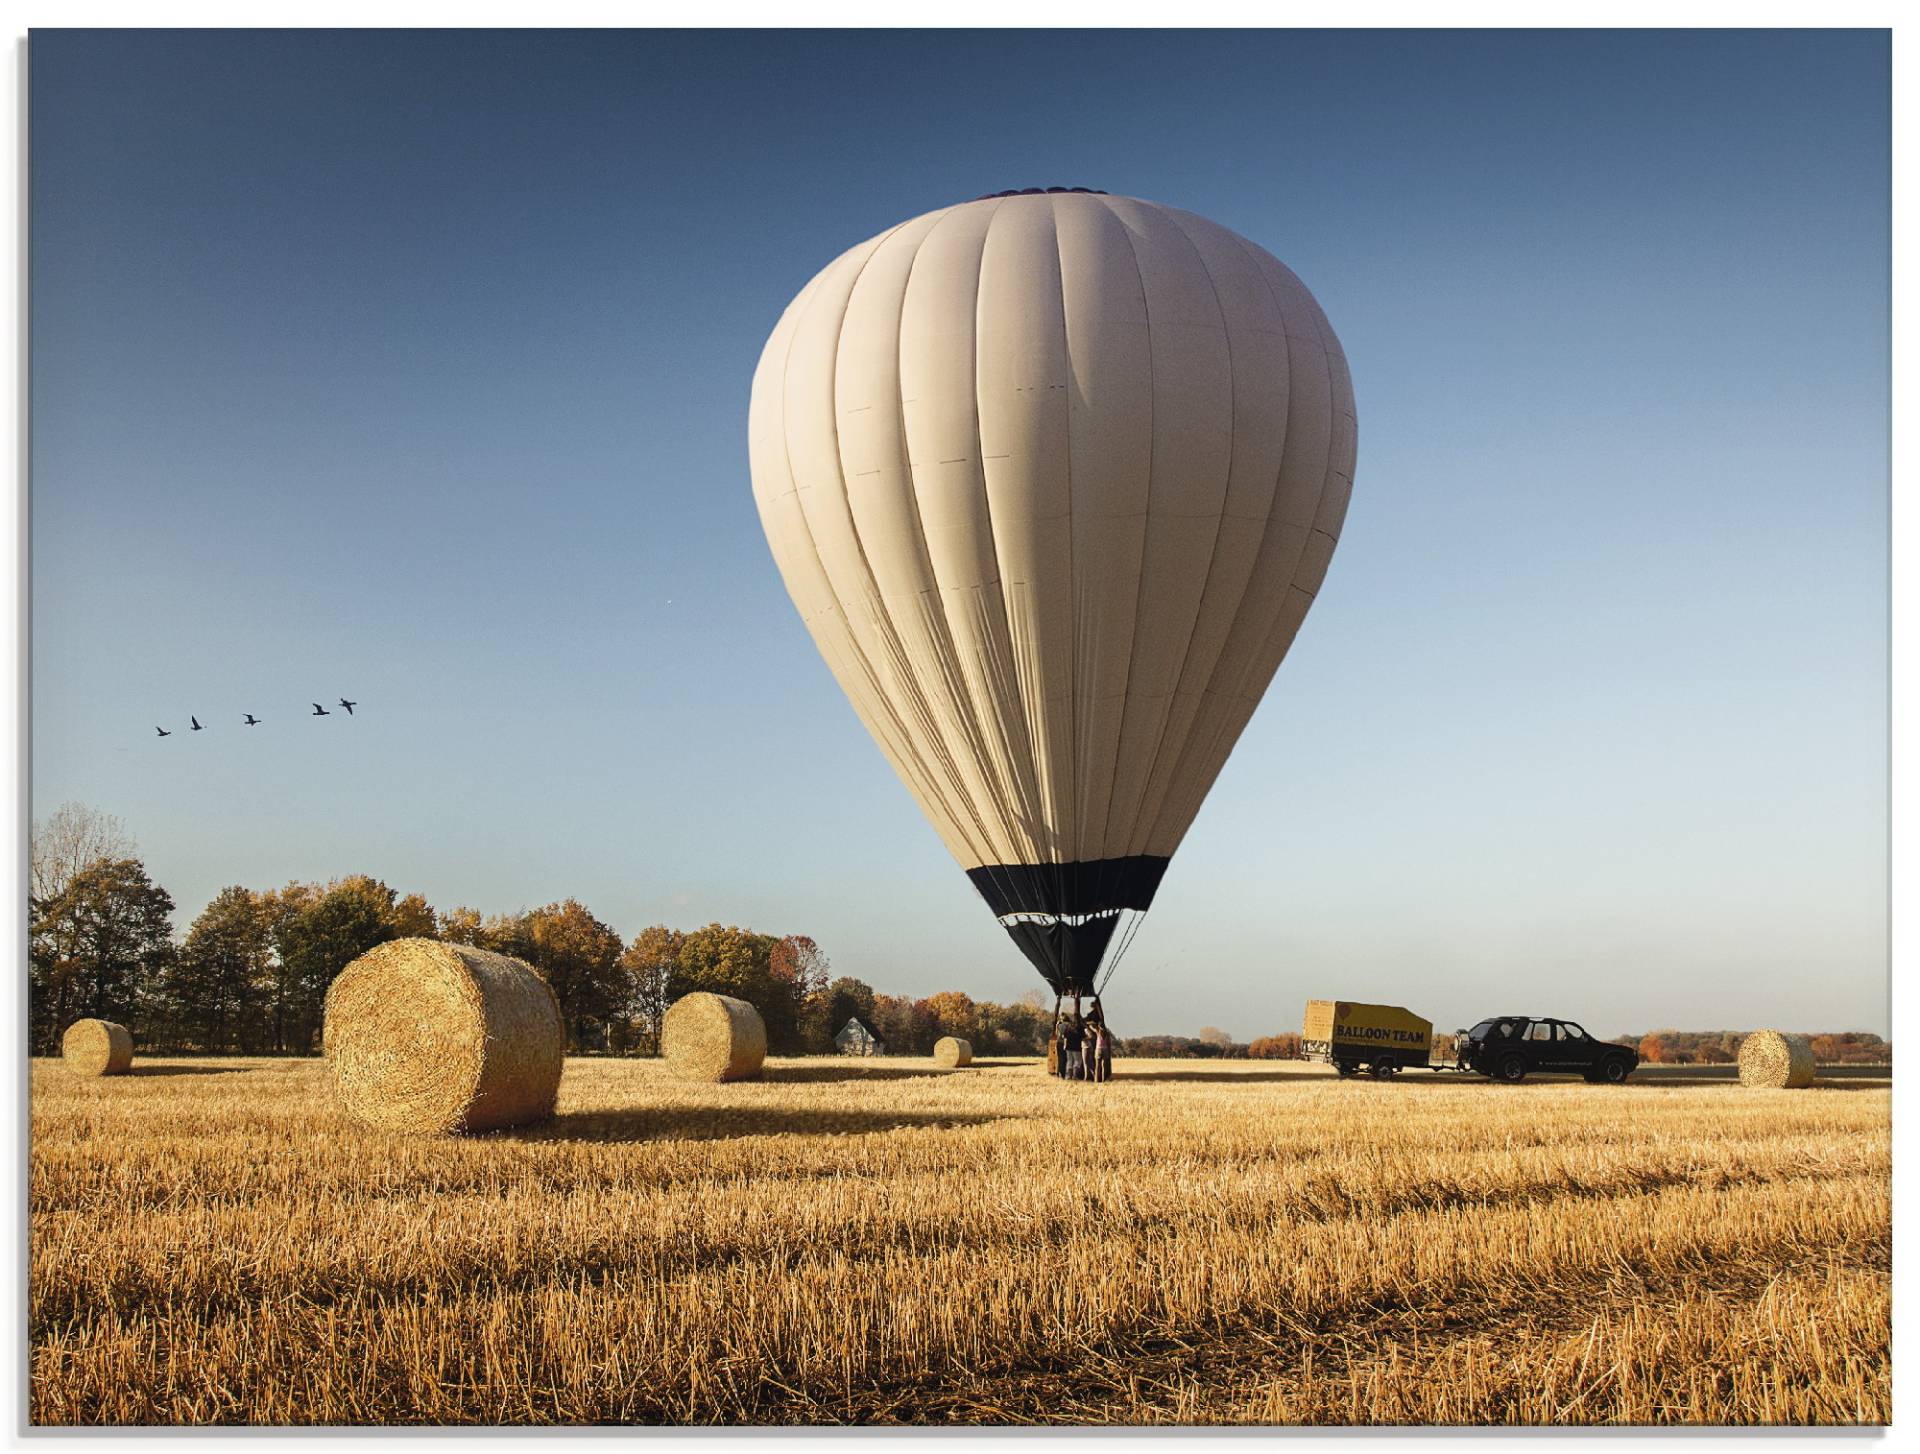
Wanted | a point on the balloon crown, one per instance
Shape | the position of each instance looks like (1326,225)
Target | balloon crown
(1036,192)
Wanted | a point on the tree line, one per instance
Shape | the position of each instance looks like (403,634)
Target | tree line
(1722,1047)
(250,974)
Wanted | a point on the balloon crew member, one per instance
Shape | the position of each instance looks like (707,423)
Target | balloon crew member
(1070,1049)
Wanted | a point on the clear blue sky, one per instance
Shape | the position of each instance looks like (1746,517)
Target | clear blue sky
(414,367)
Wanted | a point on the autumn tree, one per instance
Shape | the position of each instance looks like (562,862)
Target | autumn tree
(649,963)
(413,918)
(579,957)
(907,1025)
(1653,1050)
(799,968)
(461,926)
(954,1014)
(1284,1046)
(801,962)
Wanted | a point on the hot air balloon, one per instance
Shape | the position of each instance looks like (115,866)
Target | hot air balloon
(1052,477)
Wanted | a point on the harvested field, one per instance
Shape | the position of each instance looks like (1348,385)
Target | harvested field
(1199,1242)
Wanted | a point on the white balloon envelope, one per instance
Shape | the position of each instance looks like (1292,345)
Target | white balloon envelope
(1052,478)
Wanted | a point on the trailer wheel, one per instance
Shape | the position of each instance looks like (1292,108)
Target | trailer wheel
(1346,1067)
(1513,1069)
(1383,1069)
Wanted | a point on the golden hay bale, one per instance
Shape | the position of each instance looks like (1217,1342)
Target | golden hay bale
(430,1037)
(1776,1061)
(953,1051)
(713,1037)
(97,1047)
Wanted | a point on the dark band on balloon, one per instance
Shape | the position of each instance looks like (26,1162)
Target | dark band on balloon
(1062,915)
(1094,886)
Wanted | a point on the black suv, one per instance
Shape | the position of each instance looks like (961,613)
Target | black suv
(1510,1047)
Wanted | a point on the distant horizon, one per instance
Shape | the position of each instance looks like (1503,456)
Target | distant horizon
(183,917)
(416,363)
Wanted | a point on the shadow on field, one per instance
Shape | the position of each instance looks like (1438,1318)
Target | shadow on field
(1224,1077)
(730,1123)
(860,1070)
(1822,1082)
(825,1074)
(192,1070)
(1410,1081)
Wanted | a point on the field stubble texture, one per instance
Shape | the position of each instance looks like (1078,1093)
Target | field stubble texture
(1198,1242)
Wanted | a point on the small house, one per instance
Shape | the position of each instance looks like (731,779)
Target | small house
(856,1039)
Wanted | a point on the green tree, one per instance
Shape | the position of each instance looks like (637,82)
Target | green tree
(316,937)
(1020,1028)
(846,999)
(278,909)
(220,981)
(729,960)
(98,947)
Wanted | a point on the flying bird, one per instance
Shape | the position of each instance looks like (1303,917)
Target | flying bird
(252,721)
(320,711)
(196,724)
(348,705)
(163,732)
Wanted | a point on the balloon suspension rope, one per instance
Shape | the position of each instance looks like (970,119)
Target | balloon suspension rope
(1126,943)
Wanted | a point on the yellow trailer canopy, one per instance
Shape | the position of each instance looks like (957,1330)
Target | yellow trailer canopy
(1352,1025)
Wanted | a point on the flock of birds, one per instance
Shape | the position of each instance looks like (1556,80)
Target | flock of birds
(253,721)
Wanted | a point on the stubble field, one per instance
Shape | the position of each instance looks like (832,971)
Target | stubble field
(1198,1242)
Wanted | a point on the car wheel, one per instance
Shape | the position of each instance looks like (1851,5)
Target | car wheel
(1614,1071)
(1513,1069)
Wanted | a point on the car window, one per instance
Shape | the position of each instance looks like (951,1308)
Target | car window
(1504,1029)
(1541,1030)
(1479,1032)
(1571,1031)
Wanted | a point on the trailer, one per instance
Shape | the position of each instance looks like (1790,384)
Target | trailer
(1352,1037)
(1386,1039)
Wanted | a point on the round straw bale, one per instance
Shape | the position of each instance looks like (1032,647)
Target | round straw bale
(713,1037)
(429,1037)
(1776,1061)
(97,1047)
(952,1050)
